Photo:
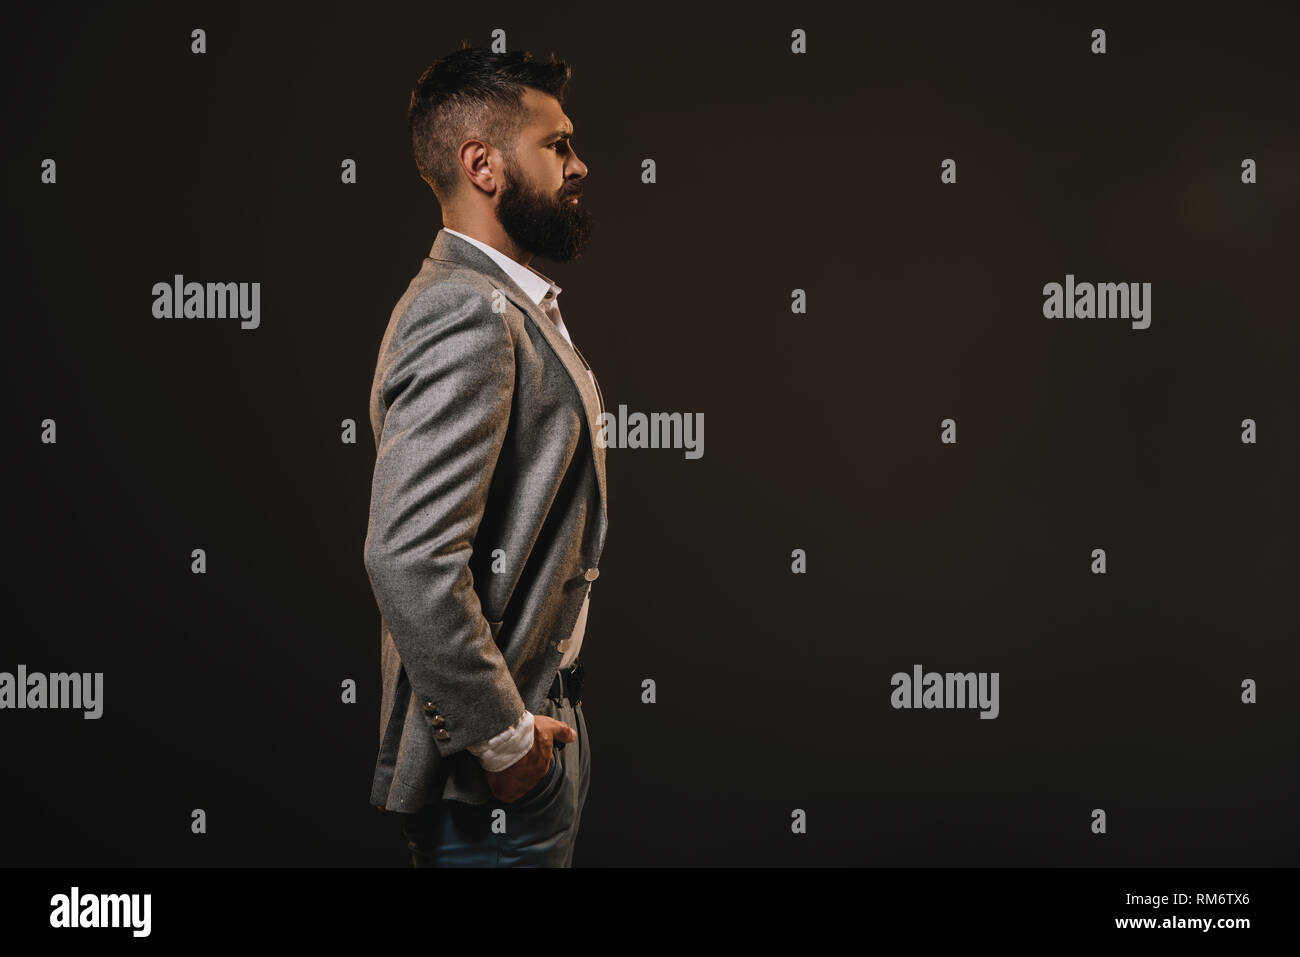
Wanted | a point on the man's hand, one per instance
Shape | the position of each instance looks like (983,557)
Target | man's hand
(522,776)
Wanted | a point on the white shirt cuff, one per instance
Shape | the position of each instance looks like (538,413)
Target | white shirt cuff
(502,750)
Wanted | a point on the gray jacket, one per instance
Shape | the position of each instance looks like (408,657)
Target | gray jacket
(487,518)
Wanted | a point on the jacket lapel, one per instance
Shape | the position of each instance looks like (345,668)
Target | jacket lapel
(454,249)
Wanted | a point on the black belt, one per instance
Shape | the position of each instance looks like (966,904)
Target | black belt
(567,684)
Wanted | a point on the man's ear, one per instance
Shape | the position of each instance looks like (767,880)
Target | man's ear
(480,164)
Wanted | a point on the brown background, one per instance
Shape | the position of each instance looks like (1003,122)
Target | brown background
(775,172)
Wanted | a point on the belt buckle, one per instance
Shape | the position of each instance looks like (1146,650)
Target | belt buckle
(571,684)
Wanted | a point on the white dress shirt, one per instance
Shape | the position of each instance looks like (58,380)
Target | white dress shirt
(502,750)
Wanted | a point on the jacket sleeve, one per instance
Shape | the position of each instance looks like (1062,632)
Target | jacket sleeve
(447,384)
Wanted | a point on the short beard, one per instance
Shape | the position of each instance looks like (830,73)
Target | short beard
(544,225)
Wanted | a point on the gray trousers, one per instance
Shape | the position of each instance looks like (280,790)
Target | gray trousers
(538,830)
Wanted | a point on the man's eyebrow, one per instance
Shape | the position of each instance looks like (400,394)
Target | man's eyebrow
(566,134)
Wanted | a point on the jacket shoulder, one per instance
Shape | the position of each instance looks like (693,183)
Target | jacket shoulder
(448,294)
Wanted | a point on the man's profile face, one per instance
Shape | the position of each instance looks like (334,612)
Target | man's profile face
(537,206)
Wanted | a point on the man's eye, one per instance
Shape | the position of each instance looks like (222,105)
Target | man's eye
(559,145)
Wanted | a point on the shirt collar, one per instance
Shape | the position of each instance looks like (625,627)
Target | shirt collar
(530,280)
